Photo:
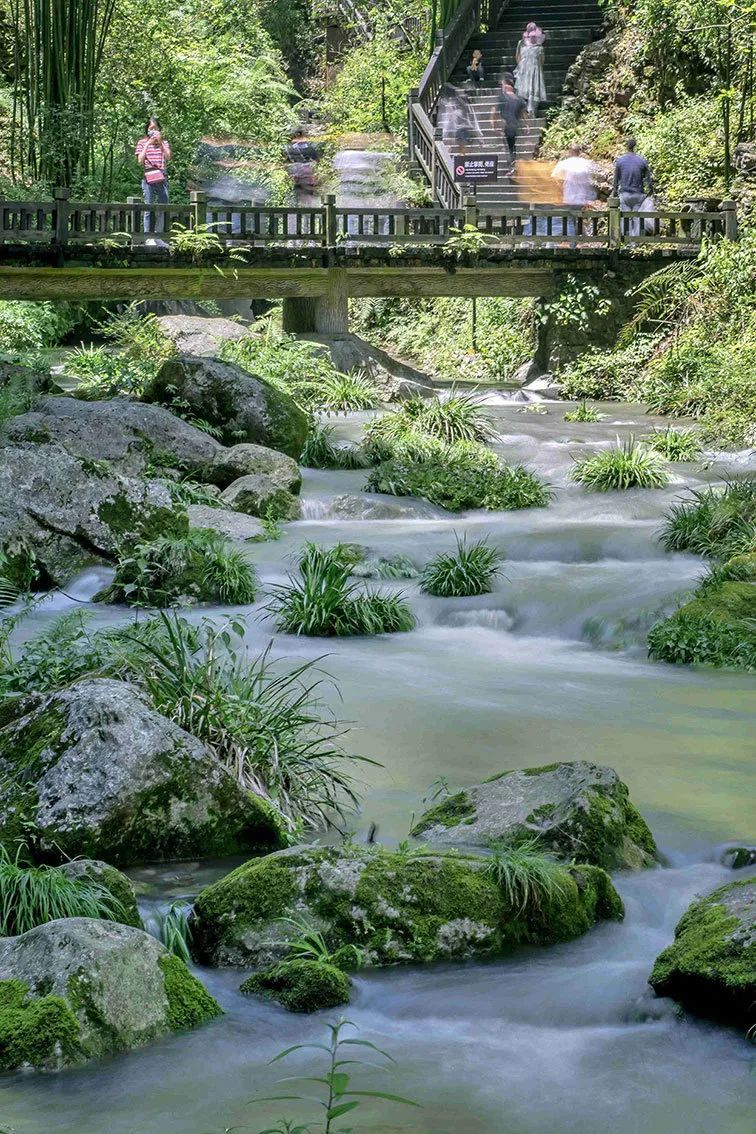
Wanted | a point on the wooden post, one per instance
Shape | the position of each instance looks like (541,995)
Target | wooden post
(471,212)
(198,201)
(438,136)
(332,309)
(61,197)
(615,225)
(412,98)
(730,211)
(329,221)
(136,225)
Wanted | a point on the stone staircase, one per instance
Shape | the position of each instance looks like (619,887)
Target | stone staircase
(568,26)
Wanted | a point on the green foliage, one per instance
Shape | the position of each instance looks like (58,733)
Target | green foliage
(201,566)
(339,1097)
(375,74)
(606,374)
(104,374)
(574,304)
(266,721)
(527,876)
(345,393)
(437,334)
(674,444)
(469,571)
(200,242)
(176,931)
(717,523)
(27,326)
(469,241)
(301,985)
(683,143)
(322,602)
(583,412)
(457,477)
(321,451)
(34,895)
(627,465)
(309,944)
(459,417)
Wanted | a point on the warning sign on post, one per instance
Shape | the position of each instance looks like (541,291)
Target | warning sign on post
(476,167)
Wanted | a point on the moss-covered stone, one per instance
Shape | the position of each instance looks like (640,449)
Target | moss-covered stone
(716,628)
(394,907)
(35,1032)
(711,965)
(121,887)
(189,1002)
(301,986)
(578,810)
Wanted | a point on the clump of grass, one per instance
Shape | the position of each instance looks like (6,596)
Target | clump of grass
(309,944)
(176,931)
(322,602)
(103,373)
(527,876)
(714,522)
(345,393)
(320,451)
(267,722)
(583,412)
(33,895)
(469,571)
(674,444)
(457,477)
(628,465)
(459,417)
(201,566)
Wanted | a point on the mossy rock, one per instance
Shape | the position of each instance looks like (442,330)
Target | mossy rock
(715,628)
(94,770)
(121,887)
(260,495)
(230,464)
(578,810)
(300,985)
(80,989)
(710,968)
(396,908)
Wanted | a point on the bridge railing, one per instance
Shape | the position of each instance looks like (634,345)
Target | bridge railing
(65,222)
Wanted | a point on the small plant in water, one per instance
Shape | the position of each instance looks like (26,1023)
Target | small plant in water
(626,466)
(339,1097)
(346,393)
(33,895)
(471,571)
(716,522)
(176,932)
(583,412)
(674,444)
(321,452)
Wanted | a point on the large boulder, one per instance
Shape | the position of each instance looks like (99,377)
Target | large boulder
(242,406)
(393,907)
(224,521)
(93,770)
(69,513)
(260,495)
(127,434)
(254,460)
(578,810)
(105,875)
(195,334)
(711,965)
(81,989)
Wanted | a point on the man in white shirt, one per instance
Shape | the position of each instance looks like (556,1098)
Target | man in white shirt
(577,175)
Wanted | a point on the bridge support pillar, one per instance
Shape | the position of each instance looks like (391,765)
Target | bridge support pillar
(326,314)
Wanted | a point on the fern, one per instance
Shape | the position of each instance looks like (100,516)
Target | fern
(663,298)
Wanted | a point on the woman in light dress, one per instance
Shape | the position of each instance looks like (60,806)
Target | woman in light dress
(529,82)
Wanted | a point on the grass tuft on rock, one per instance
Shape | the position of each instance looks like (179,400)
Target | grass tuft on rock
(33,895)
(674,444)
(470,570)
(628,465)
(583,412)
(322,602)
(201,566)
(527,875)
(715,522)
(321,452)
(458,417)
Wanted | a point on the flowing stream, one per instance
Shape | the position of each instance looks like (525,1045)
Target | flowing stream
(550,666)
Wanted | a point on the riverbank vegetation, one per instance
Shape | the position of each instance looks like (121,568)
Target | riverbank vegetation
(471,570)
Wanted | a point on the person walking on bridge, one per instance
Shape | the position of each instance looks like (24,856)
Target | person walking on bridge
(632,182)
(510,109)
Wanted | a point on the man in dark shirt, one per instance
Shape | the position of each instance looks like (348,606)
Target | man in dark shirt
(633,182)
(510,109)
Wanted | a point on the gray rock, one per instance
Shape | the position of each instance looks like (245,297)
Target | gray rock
(525,373)
(737,857)
(394,907)
(249,460)
(70,513)
(121,887)
(711,965)
(233,525)
(243,407)
(260,495)
(193,334)
(394,379)
(83,989)
(577,809)
(125,433)
(376,506)
(93,770)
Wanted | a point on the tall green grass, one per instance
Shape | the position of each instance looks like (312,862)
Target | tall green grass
(320,451)
(459,417)
(628,465)
(674,444)
(715,522)
(526,875)
(470,570)
(33,895)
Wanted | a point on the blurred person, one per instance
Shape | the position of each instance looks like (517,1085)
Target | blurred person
(633,183)
(578,177)
(529,81)
(510,109)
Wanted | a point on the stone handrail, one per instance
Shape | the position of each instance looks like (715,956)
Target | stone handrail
(65,222)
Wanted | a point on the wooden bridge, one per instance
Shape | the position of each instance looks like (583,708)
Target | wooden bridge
(316,258)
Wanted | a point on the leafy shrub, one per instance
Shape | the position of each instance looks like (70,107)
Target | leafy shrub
(626,466)
(718,523)
(104,374)
(29,327)
(33,895)
(18,395)
(322,452)
(456,477)
(201,566)
(470,571)
(458,417)
(356,99)
(345,393)
(718,627)
(605,375)
(674,444)
(322,602)
(583,412)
